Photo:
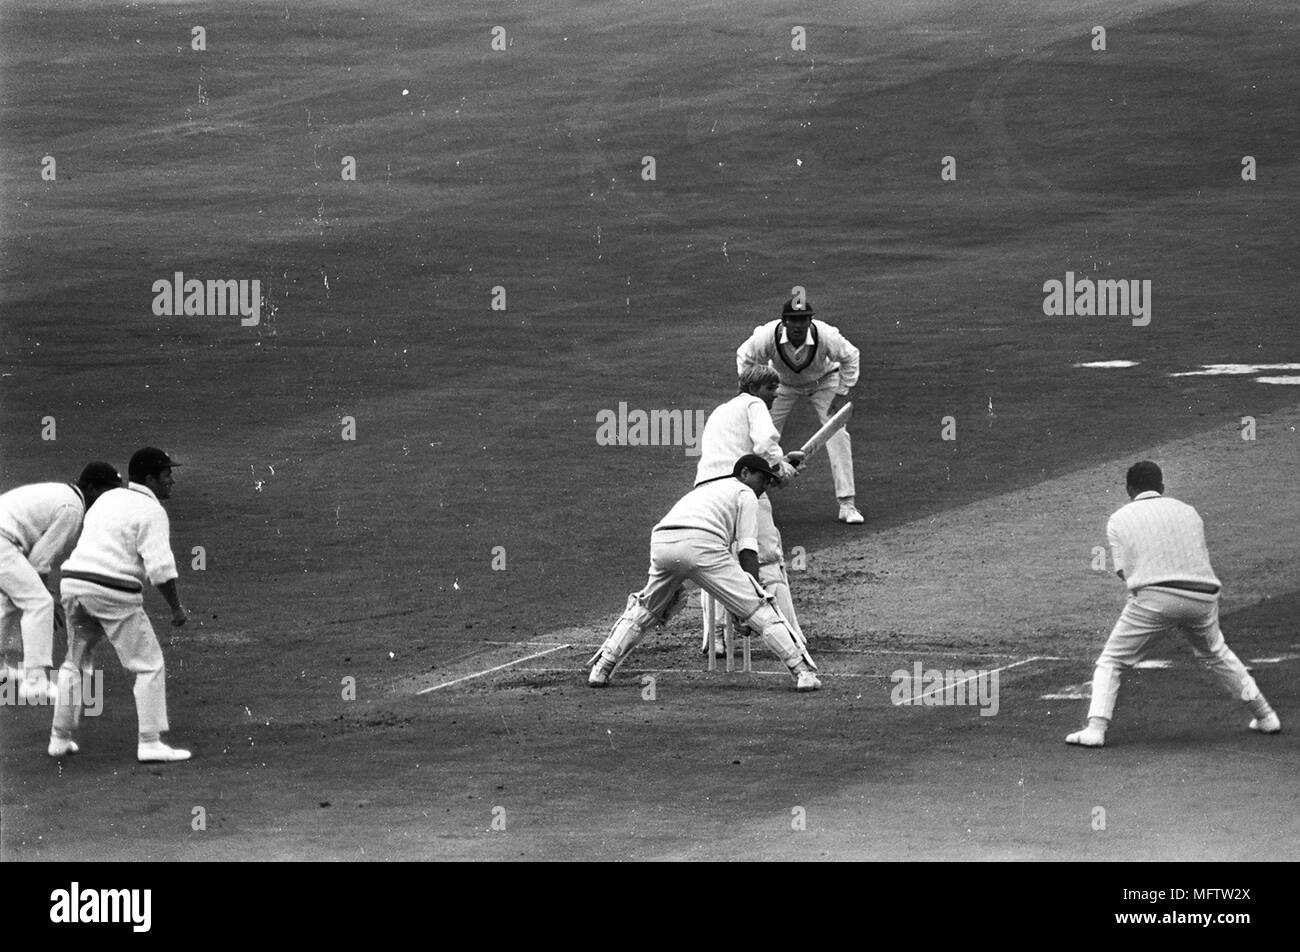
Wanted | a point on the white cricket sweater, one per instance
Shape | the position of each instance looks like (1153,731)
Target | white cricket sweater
(126,536)
(726,508)
(42,519)
(740,426)
(1156,539)
(824,350)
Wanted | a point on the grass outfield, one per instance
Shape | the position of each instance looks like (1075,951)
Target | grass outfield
(475,428)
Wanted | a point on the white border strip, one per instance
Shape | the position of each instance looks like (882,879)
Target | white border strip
(508,664)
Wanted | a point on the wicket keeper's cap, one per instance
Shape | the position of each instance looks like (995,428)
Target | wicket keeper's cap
(791,311)
(149,461)
(754,463)
(99,474)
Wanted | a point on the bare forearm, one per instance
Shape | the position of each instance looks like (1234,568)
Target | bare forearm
(169,592)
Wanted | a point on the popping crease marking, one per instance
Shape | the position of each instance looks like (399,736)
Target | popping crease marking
(1007,667)
(479,674)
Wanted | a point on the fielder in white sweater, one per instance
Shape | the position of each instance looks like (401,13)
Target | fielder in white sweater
(1159,549)
(125,544)
(38,525)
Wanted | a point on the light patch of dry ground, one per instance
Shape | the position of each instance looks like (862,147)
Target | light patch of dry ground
(1015,571)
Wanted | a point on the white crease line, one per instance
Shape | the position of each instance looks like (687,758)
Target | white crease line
(470,677)
(862,651)
(982,674)
(824,674)
(820,673)
(636,671)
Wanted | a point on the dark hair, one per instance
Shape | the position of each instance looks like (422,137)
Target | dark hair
(1146,477)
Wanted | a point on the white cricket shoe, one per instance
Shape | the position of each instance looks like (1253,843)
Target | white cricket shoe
(849,514)
(1088,737)
(807,681)
(1267,725)
(62,746)
(159,753)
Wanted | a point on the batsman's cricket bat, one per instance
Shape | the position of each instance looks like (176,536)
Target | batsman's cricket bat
(829,429)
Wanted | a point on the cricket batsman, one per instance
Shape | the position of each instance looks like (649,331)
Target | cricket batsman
(744,425)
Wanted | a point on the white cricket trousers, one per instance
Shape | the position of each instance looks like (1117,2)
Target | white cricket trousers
(771,573)
(94,612)
(1148,614)
(773,578)
(26,609)
(677,555)
(839,448)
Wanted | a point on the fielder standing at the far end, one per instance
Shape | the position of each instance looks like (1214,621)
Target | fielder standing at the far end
(1159,549)
(814,361)
(124,543)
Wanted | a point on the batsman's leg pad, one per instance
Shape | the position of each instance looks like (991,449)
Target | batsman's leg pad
(630,628)
(777,635)
(780,592)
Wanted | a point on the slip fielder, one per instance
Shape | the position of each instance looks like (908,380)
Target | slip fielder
(38,525)
(125,542)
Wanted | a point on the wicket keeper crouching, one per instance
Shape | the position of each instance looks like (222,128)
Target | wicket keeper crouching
(693,542)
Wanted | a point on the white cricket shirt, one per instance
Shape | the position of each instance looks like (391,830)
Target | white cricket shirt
(741,425)
(126,536)
(824,350)
(726,508)
(1156,539)
(42,519)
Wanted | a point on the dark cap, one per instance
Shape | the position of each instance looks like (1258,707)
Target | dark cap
(149,461)
(99,474)
(791,311)
(756,463)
